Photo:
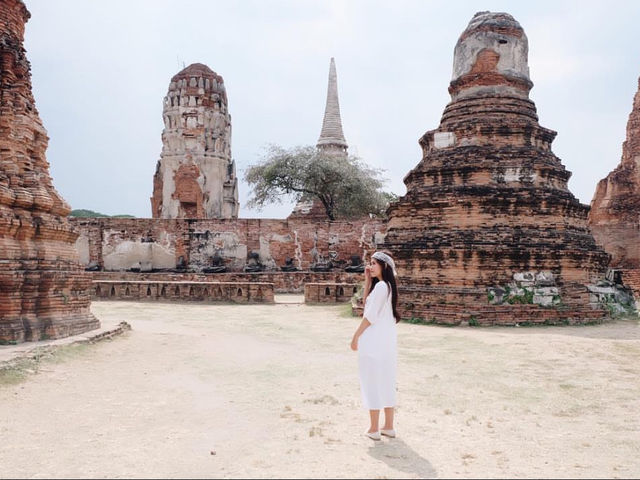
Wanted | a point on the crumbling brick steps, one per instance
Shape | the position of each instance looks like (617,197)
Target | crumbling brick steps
(238,292)
(329,292)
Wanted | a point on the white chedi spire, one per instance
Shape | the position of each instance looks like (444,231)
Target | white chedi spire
(331,136)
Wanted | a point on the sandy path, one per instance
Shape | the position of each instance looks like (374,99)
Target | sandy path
(272,390)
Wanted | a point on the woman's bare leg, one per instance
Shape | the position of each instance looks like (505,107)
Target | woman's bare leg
(375,420)
(388,418)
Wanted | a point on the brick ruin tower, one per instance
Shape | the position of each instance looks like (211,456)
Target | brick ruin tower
(488,231)
(331,141)
(195,176)
(44,292)
(614,217)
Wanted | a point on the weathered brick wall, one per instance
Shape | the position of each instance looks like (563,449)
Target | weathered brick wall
(329,292)
(239,292)
(44,291)
(118,244)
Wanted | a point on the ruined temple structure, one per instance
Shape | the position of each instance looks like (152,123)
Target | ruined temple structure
(331,141)
(615,209)
(614,217)
(44,292)
(488,232)
(195,176)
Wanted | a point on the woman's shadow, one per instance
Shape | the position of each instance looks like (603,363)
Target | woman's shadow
(400,456)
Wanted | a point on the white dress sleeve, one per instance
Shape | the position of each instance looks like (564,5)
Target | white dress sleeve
(375,302)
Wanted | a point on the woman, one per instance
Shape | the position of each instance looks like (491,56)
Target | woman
(376,343)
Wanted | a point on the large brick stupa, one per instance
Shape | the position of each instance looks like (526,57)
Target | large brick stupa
(488,231)
(44,291)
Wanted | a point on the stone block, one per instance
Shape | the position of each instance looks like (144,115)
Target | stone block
(546,291)
(444,139)
(545,278)
(543,300)
(525,277)
(601,290)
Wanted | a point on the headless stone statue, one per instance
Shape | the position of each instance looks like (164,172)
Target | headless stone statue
(356,265)
(253,263)
(289,266)
(217,265)
(181,265)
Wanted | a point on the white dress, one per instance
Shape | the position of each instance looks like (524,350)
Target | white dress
(378,351)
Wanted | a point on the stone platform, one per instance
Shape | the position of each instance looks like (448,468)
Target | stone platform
(283,282)
(329,292)
(239,292)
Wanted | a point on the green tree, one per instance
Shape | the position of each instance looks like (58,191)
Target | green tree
(345,186)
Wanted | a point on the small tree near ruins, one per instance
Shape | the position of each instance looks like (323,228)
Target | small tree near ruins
(346,186)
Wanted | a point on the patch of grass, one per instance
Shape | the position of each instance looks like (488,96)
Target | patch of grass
(68,352)
(524,299)
(20,369)
(346,311)
(18,372)
(418,321)
(473,322)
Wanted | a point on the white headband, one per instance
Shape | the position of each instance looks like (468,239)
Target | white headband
(386,259)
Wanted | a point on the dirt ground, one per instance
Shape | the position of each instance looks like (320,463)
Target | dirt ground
(272,391)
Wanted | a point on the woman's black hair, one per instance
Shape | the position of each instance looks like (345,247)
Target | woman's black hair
(390,279)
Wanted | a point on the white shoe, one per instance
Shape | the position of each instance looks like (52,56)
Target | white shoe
(388,433)
(373,435)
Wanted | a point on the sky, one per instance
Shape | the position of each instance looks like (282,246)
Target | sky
(100,71)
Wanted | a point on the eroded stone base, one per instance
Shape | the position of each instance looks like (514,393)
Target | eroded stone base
(472,306)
